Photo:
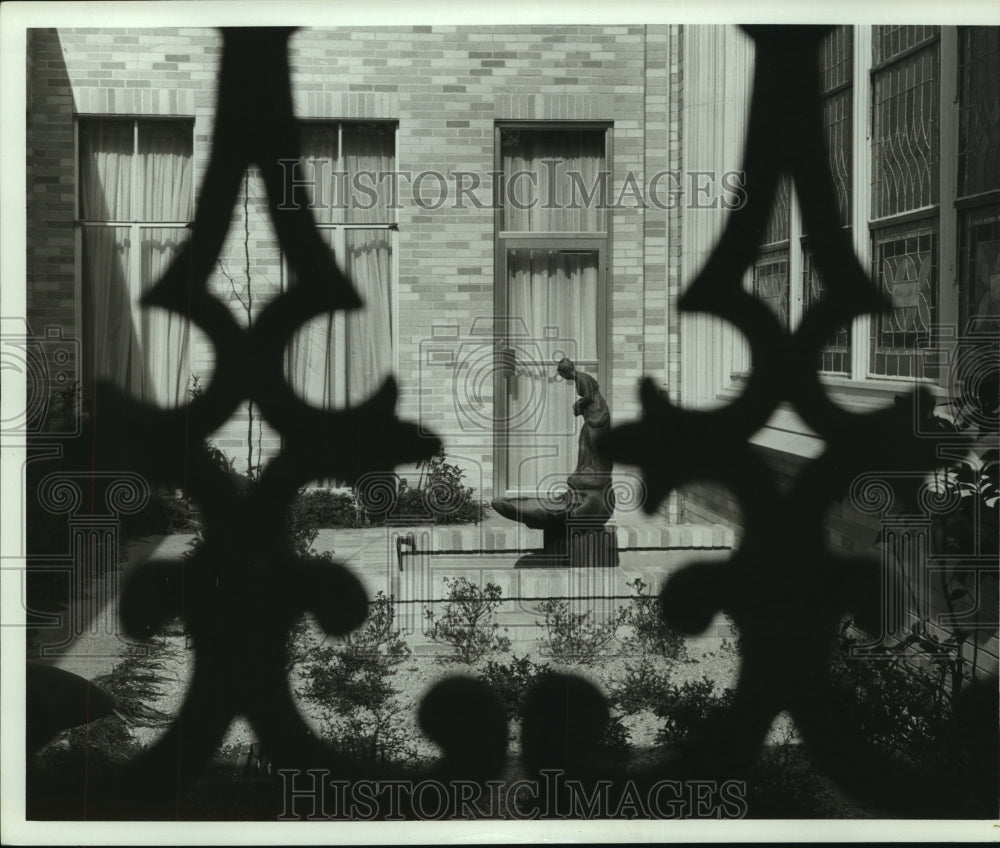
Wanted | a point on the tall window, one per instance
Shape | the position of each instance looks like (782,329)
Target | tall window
(905,187)
(134,204)
(770,271)
(552,252)
(979,174)
(340,359)
(837,75)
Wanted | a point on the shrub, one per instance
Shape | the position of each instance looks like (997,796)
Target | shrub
(468,621)
(640,687)
(133,682)
(326,508)
(689,707)
(444,496)
(650,631)
(511,681)
(683,708)
(898,708)
(573,636)
(439,496)
(351,683)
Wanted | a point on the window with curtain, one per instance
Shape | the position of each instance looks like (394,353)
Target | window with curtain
(552,249)
(905,180)
(553,180)
(134,203)
(340,359)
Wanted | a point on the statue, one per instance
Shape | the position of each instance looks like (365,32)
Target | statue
(589,501)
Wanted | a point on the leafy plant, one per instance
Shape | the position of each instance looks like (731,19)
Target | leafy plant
(511,681)
(960,537)
(646,686)
(468,622)
(573,636)
(640,686)
(67,403)
(895,706)
(439,496)
(351,685)
(326,508)
(689,707)
(650,632)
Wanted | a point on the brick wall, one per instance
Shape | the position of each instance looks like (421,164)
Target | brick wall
(446,87)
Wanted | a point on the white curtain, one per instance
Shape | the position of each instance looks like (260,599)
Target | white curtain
(348,195)
(371,148)
(143,351)
(165,171)
(106,170)
(563,167)
(369,330)
(554,293)
(164,336)
(342,359)
(112,341)
(315,359)
(319,162)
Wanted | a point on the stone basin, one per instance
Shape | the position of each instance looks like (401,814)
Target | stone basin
(573,531)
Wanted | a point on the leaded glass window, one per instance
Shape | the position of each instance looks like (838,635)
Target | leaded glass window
(906,271)
(906,116)
(980,265)
(770,271)
(905,121)
(979,110)
(837,80)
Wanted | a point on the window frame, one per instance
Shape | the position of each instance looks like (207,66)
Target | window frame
(802,297)
(778,249)
(967,205)
(338,245)
(862,227)
(505,240)
(921,220)
(134,224)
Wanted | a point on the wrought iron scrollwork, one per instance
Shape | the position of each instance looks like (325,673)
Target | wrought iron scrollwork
(243,590)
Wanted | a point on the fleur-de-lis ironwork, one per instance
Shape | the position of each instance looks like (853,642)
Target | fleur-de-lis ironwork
(245,587)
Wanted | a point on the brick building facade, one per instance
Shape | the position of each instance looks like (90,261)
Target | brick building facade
(446,94)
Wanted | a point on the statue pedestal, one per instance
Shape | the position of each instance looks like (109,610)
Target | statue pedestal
(574,529)
(575,543)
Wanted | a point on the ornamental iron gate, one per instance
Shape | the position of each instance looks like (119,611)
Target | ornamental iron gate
(240,594)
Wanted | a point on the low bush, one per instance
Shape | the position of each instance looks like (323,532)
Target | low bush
(351,685)
(325,508)
(650,632)
(439,497)
(647,686)
(468,622)
(575,636)
(512,680)
(896,707)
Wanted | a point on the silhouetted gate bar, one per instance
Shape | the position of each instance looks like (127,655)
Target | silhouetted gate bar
(240,594)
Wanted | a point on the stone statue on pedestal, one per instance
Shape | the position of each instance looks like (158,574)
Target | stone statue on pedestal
(573,526)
